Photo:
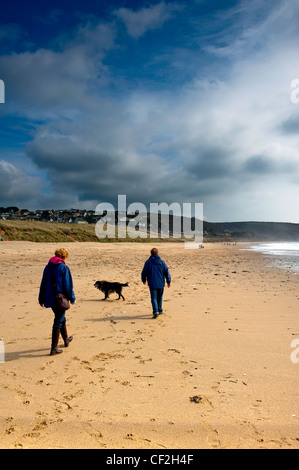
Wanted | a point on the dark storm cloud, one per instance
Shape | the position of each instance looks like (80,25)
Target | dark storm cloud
(291,125)
(262,165)
(259,165)
(17,186)
(210,163)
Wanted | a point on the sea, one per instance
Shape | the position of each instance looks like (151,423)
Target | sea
(284,255)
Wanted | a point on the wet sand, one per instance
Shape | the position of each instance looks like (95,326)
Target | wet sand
(128,381)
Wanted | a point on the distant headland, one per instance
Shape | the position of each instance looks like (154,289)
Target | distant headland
(57,225)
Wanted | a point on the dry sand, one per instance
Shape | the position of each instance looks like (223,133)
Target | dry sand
(126,380)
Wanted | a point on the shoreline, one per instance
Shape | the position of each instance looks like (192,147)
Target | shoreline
(285,259)
(126,380)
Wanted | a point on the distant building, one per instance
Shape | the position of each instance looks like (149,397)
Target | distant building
(80,221)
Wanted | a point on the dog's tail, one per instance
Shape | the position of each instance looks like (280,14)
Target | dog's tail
(126,285)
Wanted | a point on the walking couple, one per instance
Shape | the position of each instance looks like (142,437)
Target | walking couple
(57,279)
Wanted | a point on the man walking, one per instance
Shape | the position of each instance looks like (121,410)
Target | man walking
(155,272)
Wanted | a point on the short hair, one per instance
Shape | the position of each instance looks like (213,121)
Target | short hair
(154,251)
(61,253)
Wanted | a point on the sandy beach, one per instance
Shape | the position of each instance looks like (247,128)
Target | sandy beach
(127,381)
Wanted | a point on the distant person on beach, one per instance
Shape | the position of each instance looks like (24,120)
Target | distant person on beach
(155,272)
(57,278)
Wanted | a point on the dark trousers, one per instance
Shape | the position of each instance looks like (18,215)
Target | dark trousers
(156,299)
(59,319)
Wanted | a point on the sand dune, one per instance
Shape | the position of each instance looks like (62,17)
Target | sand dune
(128,381)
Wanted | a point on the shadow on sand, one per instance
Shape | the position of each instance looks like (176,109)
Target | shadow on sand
(29,353)
(116,319)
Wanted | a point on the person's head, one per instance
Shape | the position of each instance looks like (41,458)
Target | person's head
(154,251)
(61,253)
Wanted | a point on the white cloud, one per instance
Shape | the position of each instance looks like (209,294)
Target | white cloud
(47,84)
(147,19)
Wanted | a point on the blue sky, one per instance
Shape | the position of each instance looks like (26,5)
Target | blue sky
(162,101)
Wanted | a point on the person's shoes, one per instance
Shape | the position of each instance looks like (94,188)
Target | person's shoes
(67,339)
(55,351)
(55,339)
(155,315)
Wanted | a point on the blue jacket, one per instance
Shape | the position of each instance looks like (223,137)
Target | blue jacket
(62,278)
(155,271)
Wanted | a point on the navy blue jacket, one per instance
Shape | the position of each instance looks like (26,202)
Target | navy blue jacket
(155,271)
(63,280)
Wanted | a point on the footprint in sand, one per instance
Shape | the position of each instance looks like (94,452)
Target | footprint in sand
(11,429)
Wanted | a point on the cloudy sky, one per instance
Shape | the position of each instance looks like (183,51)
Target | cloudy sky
(163,101)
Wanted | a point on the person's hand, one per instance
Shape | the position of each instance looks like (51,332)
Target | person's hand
(144,283)
(42,305)
(168,285)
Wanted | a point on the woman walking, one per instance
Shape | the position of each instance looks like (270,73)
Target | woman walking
(57,279)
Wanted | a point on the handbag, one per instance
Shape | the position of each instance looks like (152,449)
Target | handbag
(60,301)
